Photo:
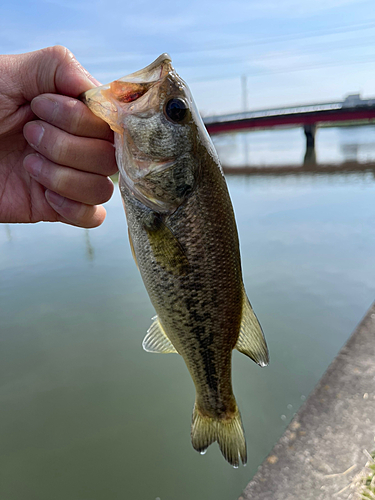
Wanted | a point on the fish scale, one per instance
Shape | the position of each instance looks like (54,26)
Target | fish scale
(183,236)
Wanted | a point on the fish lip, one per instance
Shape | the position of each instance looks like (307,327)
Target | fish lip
(102,100)
(151,73)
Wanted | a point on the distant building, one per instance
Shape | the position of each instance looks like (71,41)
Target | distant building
(354,100)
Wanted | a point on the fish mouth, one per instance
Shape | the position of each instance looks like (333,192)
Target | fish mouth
(151,73)
(104,101)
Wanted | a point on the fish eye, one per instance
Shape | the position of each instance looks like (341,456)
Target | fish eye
(176,109)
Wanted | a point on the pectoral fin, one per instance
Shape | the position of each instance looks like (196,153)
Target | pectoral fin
(156,339)
(251,339)
(167,250)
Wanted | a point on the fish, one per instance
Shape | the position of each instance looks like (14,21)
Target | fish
(184,240)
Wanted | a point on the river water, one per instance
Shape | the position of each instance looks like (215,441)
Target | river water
(86,414)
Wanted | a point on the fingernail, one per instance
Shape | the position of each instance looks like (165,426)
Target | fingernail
(33,164)
(44,107)
(33,132)
(54,198)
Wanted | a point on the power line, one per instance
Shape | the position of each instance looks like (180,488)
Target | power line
(328,47)
(290,70)
(289,37)
(253,42)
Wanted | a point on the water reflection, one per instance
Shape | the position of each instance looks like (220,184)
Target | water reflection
(8,232)
(357,146)
(308,168)
(282,147)
(310,156)
(90,253)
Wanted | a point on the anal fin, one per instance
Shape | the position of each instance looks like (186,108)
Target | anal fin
(156,339)
(251,341)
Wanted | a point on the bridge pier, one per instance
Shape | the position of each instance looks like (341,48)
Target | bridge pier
(310,131)
(310,156)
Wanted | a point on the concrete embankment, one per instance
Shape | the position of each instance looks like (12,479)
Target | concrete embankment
(322,449)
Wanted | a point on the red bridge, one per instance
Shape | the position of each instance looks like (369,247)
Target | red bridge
(352,110)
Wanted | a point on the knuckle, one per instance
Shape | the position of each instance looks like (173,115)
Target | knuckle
(44,138)
(59,183)
(76,117)
(62,150)
(59,53)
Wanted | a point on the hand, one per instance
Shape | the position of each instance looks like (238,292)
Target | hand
(53,168)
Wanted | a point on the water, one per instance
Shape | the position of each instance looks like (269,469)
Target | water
(287,146)
(86,414)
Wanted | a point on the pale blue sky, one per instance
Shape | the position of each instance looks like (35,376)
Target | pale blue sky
(292,51)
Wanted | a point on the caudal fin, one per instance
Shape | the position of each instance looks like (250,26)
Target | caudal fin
(227,432)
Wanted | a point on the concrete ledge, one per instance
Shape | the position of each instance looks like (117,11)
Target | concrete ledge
(330,432)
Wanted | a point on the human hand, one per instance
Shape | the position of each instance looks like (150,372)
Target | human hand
(53,168)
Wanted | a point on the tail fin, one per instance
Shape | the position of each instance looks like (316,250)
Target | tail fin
(228,433)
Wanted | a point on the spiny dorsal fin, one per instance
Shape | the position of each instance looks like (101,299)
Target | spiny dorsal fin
(251,339)
(156,339)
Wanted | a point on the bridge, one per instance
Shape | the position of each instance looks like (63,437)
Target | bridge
(353,110)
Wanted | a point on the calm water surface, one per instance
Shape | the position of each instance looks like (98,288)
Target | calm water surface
(86,414)
(287,146)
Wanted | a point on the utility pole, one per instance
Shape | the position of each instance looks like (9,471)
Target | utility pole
(244,92)
(244,108)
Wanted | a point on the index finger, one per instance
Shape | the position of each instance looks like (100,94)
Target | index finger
(70,115)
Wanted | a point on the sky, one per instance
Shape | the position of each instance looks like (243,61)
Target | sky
(287,51)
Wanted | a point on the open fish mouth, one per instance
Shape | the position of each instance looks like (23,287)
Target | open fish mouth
(105,99)
(151,73)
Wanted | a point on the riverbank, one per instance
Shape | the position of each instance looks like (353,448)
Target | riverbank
(322,449)
(308,168)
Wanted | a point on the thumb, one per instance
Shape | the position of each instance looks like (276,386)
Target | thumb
(53,70)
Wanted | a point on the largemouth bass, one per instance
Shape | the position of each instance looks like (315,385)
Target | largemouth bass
(183,237)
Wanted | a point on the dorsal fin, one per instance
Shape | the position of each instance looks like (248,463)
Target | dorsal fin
(156,339)
(251,340)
